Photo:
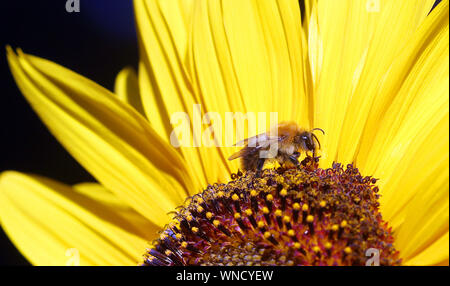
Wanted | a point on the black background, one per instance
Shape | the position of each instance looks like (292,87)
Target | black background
(96,43)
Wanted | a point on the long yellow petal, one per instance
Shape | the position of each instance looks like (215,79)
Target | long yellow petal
(54,224)
(415,197)
(358,42)
(164,83)
(417,84)
(109,138)
(127,88)
(405,140)
(268,68)
(398,24)
(436,254)
(124,216)
(164,80)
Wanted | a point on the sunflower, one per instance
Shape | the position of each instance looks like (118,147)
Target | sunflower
(373,74)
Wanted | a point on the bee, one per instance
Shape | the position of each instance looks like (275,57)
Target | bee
(289,140)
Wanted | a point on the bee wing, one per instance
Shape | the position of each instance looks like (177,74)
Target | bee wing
(255,143)
(257,140)
(253,139)
(238,154)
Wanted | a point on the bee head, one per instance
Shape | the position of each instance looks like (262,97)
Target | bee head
(307,140)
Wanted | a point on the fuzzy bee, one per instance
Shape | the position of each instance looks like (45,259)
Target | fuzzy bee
(289,140)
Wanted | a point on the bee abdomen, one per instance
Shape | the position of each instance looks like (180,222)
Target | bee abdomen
(250,159)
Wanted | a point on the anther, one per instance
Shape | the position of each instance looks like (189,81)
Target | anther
(254,201)
(269,237)
(279,218)
(283,194)
(250,217)
(305,209)
(235,198)
(269,199)
(261,226)
(291,234)
(310,220)
(219,225)
(238,218)
(266,215)
(287,221)
(347,250)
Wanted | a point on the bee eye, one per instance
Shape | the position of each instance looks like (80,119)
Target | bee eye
(304,137)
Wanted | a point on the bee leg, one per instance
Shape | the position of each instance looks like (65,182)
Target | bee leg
(294,159)
(259,166)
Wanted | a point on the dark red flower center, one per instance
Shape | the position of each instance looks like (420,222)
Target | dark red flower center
(305,216)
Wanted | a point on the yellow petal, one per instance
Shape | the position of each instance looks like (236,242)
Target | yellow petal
(416,86)
(414,130)
(425,216)
(124,216)
(127,88)
(54,224)
(162,32)
(436,254)
(270,65)
(405,142)
(164,82)
(399,22)
(109,138)
(415,198)
(359,44)
(307,6)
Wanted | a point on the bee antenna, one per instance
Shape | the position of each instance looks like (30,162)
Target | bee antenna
(314,135)
(320,129)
